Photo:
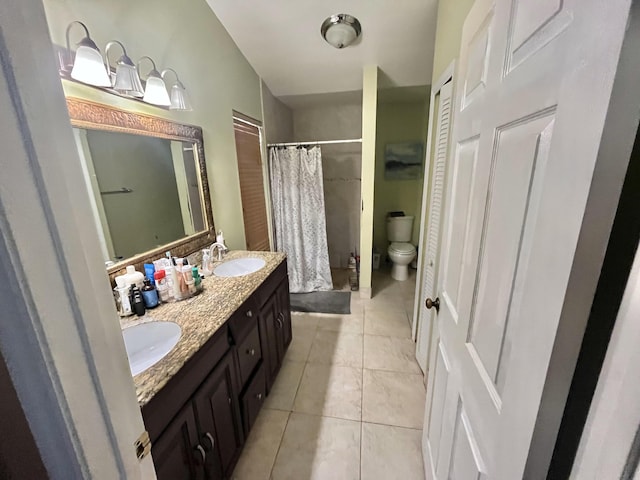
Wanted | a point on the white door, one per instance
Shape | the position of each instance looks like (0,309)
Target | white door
(532,91)
(434,220)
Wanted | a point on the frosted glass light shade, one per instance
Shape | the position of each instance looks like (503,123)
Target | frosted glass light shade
(341,30)
(180,98)
(340,35)
(127,81)
(89,68)
(155,91)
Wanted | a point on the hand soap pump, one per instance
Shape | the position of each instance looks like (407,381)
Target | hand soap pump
(206,262)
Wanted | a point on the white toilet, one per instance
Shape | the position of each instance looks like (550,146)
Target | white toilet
(401,252)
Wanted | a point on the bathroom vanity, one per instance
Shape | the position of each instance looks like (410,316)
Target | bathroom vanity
(200,401)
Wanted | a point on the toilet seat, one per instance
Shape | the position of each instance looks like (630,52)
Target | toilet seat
(402,248)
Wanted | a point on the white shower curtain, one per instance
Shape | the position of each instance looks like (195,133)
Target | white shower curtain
(297,196)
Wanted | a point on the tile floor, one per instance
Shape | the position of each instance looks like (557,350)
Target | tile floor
(348,402)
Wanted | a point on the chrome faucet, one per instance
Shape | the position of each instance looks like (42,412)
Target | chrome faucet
(222,249)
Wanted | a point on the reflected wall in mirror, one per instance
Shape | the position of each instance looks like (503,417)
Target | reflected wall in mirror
(147,182)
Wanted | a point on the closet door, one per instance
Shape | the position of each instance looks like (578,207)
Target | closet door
(250,170)
(434,220)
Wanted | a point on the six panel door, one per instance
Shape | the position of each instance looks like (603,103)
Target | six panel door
(532,92)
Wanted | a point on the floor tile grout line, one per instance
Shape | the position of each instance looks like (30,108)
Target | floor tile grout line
(273,465)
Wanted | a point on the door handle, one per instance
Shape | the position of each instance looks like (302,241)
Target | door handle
(212,442)
(433,304)
(202,453)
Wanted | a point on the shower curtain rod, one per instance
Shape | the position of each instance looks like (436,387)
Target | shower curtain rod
(319,142)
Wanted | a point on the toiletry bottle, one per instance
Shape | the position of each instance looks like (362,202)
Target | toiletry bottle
(149,271)
(182,284)
(133,277)
(162,286)
(196,279)
(206,262)
(189,280)
(173,283)
(149,294)
(121,295)
(137,301)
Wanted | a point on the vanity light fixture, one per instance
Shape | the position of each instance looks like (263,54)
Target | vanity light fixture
(125,80)
(155,91)
(88,66)
(341,30)
(179,96)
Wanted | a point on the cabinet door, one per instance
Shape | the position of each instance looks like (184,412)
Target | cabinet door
(219,419)
(269,338)
(284,313)
(177,453)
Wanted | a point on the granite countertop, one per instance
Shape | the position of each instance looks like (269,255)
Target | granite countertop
(199,317)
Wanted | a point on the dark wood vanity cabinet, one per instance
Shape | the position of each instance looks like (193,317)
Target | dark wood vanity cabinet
(199,421)
(173,452)
(275,316)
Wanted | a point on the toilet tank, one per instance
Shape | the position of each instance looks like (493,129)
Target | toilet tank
(399,229)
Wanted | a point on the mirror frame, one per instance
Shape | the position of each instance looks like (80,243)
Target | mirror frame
(97,116)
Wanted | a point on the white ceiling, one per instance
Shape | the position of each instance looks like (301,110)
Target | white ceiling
(282,41)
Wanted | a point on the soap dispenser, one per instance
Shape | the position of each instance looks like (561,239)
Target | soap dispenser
(206,262)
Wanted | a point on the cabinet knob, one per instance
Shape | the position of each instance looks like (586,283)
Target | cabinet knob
(229,399)
(259,396)
(249,313)
(212,442)
(251,351)
(279,321)
(202,453)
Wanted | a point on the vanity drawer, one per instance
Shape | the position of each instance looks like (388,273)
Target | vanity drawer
(244,320)
(249,353)
(253,398)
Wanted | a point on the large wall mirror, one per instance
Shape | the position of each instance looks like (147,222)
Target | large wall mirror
(147,180)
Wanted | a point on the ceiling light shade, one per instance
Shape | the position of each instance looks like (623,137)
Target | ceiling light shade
(179,96)
(126,79)
(155,91)
(88,66)
(341,30)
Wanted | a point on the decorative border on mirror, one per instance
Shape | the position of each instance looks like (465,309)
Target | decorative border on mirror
(97,116)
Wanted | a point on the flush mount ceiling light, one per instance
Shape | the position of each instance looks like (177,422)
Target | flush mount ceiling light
(155,91)
(340,30)
(179,97)
(125,80)
(88,66)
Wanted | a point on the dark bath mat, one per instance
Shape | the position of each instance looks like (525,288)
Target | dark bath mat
(322,302)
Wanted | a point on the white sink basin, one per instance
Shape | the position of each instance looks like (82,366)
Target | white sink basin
(239,267)
(148,343)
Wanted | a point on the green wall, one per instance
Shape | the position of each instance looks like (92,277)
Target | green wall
(398,121)
(187,36)
(451,16)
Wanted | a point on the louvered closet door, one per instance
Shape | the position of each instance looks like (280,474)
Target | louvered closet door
(250,171)
(433,224)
